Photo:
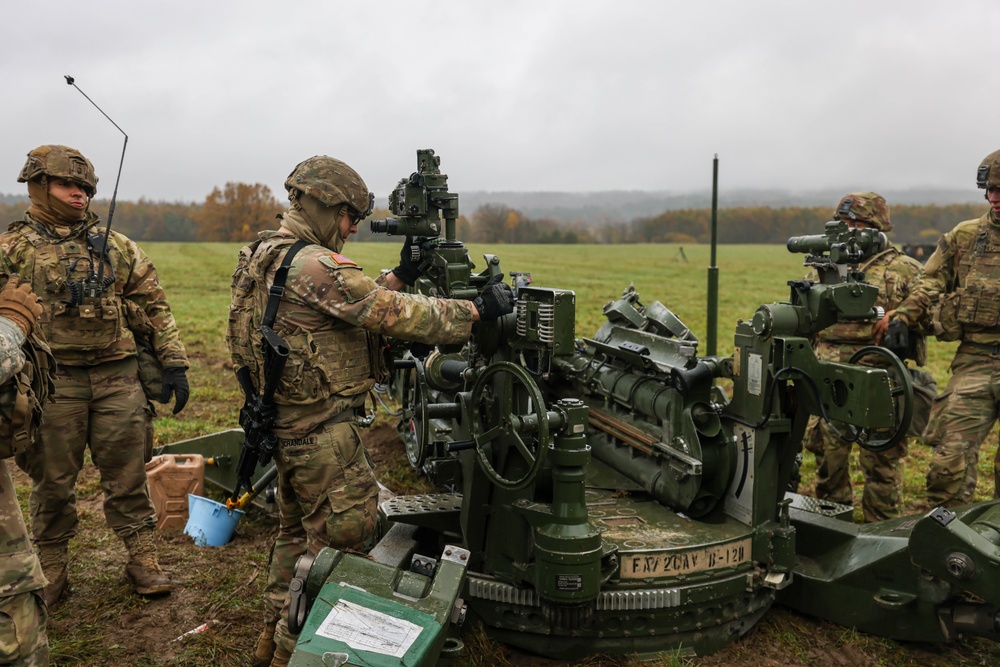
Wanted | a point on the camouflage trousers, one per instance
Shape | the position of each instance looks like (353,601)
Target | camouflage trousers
(22,612)
(883,472)
(23,642)
(103,407)
(327,497)
(961,418)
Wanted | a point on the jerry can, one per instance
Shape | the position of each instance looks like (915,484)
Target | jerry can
(171,478)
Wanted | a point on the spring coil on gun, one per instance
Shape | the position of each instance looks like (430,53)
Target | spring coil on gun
(521,318)
(546,323)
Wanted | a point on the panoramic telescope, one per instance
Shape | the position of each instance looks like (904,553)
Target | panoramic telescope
(622,494)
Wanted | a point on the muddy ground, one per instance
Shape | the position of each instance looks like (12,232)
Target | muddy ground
(101,622)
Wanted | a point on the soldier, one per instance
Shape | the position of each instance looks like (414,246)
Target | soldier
(893,273)
(332,317)
(24,385)
(958,298)
(93,331)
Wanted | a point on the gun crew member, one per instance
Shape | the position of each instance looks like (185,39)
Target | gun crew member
(332,317)
(894,274)
(101,297)
(958,298)
(25,379)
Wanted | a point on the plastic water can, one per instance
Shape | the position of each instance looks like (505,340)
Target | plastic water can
(171,478)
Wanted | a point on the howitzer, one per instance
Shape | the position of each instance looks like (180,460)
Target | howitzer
(257,416)
(622,494)
(611,496)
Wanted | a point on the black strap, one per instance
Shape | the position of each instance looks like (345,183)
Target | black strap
(278,287)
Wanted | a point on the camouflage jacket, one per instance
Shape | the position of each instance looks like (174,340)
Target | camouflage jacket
(87,331)
(958,296)
(895,275)
(20,570)
(331,317)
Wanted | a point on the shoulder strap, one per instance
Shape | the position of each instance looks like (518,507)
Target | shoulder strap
(278,287)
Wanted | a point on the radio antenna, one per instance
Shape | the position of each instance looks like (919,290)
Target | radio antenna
(111,209)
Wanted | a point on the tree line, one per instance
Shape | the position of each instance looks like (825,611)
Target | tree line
(237,211)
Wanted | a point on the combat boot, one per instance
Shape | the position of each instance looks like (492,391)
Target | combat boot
(264,650)
(281,657)
(55,560)
(143,568)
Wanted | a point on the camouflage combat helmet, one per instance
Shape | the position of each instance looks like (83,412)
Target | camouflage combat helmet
(60,162)
(331,182)
(867,207)
(988,174)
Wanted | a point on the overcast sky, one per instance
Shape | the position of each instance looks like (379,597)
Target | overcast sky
(536,95)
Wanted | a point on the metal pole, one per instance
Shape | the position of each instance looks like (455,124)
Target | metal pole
(712,323)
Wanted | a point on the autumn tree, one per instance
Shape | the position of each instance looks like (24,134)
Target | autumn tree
(236,213)
(488,222)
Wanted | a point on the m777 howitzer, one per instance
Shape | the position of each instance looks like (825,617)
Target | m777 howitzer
(608,496)
(622,495)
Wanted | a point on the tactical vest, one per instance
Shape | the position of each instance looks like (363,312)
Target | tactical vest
(22,398)
(978,272)
(329,362)
(69,321)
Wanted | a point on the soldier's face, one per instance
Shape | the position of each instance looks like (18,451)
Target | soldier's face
(68,192)
(857,224)
(348,225)
(993,197)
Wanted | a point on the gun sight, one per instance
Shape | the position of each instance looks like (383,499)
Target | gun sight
(840,244)
(405,226)
(421,203)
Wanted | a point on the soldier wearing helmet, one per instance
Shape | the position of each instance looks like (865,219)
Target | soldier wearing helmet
(894,274)
(94,328)
(332,317)
(958,298)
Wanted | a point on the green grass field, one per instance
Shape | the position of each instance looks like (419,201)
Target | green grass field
(197,277)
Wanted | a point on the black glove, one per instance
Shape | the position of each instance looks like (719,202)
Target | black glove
(175,380)
(897,338)
(496,299)
(409,269)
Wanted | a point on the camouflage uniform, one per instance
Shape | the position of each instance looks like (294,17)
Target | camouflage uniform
(22,611)
(330,309)
(98,401)
(893,273)
(962,278)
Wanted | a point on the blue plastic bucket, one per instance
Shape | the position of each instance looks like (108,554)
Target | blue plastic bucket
(209,522)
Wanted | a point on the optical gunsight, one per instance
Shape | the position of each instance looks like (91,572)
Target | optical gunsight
(421,202)
(841,244)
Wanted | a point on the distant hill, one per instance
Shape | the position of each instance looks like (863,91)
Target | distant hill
(627,205)
(593,208)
